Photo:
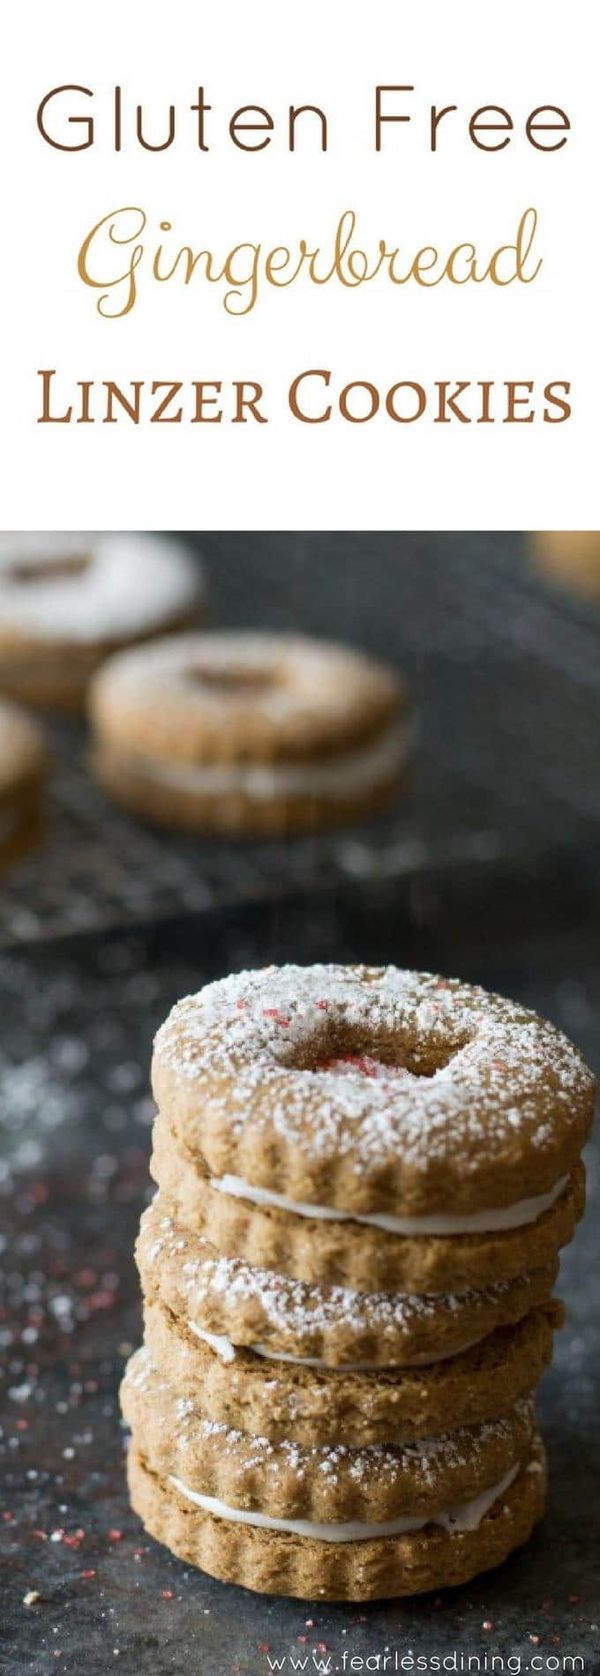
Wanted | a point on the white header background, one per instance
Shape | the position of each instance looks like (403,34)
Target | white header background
(284,474)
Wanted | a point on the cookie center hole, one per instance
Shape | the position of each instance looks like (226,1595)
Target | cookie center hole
(377,1058)
(232,682)
(48,570)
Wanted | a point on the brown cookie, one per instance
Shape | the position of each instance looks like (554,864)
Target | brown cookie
(67,600)
(349,1253)
(280,1318)
(252,733)
(421,1104)
(330,1483)
(571,557)
(316,1405)
(283,1562)
(23,761)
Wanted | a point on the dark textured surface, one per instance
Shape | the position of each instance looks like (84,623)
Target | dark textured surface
(77,1024)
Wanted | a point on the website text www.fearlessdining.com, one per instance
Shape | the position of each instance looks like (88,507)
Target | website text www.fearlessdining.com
(393,1659)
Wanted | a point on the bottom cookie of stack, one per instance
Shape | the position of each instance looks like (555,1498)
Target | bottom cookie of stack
(330,1522)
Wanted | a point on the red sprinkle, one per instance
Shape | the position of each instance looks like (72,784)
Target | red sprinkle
(323,1006)
(273,1012)
(22,1425)
(535,1640)
(487,1624)
(87,1574)
(363,1063)
(499,1064)
(168,1594)
(117,1536)
(574,1600)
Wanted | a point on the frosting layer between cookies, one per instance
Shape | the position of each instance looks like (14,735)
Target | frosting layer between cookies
(336,776)
(465,1517)
(224,1347)
(517,1215)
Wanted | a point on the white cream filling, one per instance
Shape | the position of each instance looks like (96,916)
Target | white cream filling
(339,776)
(217,1341)
(464,1517)
(476,1222)
(227,1351)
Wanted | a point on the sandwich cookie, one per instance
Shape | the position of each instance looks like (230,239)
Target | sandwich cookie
(250,733)
(68,600)
(281,1319)
(325,1485)
(23,762)
(451,1548)
(369,1111)
(347,1250)
(240,1388)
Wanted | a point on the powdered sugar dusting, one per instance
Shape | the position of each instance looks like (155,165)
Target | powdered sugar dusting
(481,1075)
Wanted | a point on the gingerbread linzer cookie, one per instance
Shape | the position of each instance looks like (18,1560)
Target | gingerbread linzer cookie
(281,1319)
(310,1561)
(359,1422)
(361,1101)
(329,1484)
(249,733)
(66,601)
(23,761)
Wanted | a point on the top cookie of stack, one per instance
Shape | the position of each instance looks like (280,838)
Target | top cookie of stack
(365,1178)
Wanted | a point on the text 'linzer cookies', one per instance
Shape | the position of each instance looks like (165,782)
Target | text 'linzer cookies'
(365,1176)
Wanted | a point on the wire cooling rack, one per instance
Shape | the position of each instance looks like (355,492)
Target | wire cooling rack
(506,677)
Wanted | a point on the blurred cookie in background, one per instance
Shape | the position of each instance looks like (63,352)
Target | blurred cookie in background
(23,761)
(67,600)
(570,558)
(249,733)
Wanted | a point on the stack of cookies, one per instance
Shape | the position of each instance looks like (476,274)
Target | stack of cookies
(365,1176)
